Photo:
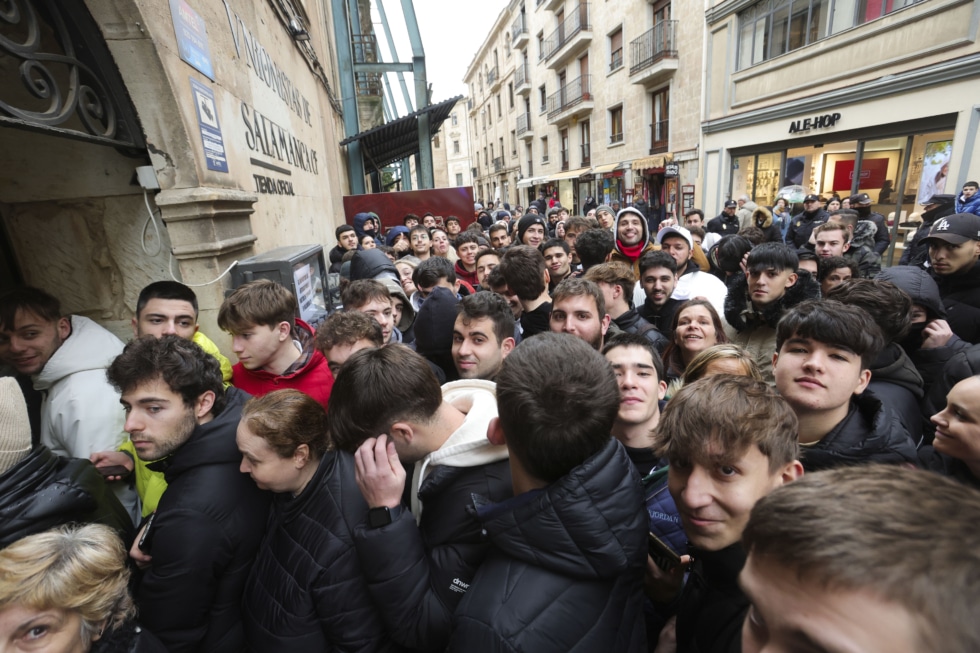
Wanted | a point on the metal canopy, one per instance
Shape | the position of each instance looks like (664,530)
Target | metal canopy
(399,139)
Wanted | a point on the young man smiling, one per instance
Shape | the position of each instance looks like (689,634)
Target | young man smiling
(483,335)
(467,247)
(757,301)
(825,350)
(557,257)
(274,348)
(730,440)
(658,276)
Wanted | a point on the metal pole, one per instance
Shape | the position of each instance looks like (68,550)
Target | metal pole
(348,93)
(394,57)
(901,199)
(424,161)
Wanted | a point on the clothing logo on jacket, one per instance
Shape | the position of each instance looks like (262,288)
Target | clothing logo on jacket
(459,586)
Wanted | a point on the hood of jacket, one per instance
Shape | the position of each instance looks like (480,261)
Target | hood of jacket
(644,239)
(408,310)
(917,284)
(972,205)
(393,234)
(870,433)
(894,366)
(89,347)
(761,217)
(590,524)
(372,264)
(468,445)
(358,224)
(740,313)
(210,444)
(864,234)
(43,491)
(434,322)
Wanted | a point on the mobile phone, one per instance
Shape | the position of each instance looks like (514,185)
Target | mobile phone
(147,537)
(113,470)
(664,556)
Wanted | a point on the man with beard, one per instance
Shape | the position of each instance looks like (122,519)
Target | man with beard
(658,276)
(579,309)
(632,238)
(938,206)
(198,548)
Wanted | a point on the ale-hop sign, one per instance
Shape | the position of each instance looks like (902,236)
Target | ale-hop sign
(816,122)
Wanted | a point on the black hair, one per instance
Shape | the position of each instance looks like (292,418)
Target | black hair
(833,323)
(486,304)
(554,242)
(657,259)
(431,270)
(593,246)
(626,339)
(827,265)
(173,290)
(773,256)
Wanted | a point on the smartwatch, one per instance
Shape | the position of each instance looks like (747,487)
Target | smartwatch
(378,517)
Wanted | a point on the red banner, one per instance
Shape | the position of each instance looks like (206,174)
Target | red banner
(873,174)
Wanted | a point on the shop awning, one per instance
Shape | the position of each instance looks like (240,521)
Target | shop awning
(527,182)
(599,170)
(570,174)
(655,161)
(399,139)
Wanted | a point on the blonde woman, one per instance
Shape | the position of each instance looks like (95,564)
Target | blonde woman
(721,359)
(66,591)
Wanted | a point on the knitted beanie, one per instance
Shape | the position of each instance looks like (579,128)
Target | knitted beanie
(525,223)
(15,428)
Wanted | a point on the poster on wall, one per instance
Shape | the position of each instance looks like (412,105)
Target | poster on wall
(207,120)
(873,174)
(935,169)
(192,37)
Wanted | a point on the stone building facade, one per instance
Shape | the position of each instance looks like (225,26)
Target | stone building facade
(233,112)
(589,99)
(809,92)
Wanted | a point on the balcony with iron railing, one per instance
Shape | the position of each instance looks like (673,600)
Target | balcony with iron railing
(660,137)
(493,78)
(552,5)
(586,154)
(498,164)
(522,79)
(572,37)
(518,31)
(524,130)
(653,56)
(572,100)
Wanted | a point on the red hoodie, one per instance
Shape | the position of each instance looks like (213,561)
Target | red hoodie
(310,374)
(469,277)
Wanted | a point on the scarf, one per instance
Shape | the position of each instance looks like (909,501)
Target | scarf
(631,252)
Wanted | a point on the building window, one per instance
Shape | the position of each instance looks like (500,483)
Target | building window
(459,178)
(543,97)
(455,147)
(500,111)
(544,149)
(513,143)
(660,122)
(616,125)
(771,28)
(540,46)
(510,94)
(585,128)
(455,120)
(616,50)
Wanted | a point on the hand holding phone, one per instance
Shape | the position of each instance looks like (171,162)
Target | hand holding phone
(664,557)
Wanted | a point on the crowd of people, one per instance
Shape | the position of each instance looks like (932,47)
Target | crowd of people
(536,432)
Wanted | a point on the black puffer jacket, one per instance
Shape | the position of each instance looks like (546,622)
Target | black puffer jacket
(916,252)
(961,297)
(566,568)
(712,606)
(207,529)
(871,433)
(44,491)
(896,382)
(129,637)
(631,322)
(306,592)
(419,574)
(801,226)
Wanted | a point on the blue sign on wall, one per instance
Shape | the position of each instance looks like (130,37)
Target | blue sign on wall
(192,37)
(207,119)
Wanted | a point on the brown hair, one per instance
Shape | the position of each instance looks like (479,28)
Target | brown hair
(553,429)
(734,412)
(286,419)
(908,537)
(33,300)
(579,287)
(672,352)
(523,267)
(362,291)
(833,226)
(257,303)
(346,328)
(887,304)
(378,387)
(615,273)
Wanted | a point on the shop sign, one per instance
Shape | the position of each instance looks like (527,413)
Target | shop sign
(816,122)
(672,170)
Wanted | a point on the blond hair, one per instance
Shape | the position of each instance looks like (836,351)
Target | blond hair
(74,568)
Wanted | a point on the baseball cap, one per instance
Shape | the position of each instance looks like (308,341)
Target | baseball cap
(811,198)
(731,204)
(956,229)
(861,198)
(680,231)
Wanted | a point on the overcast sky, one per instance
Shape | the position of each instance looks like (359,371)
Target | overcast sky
(451,34)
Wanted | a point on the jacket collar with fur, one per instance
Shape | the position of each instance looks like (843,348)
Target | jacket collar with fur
(740,313)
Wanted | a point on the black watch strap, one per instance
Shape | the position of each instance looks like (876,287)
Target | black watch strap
(378,517)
